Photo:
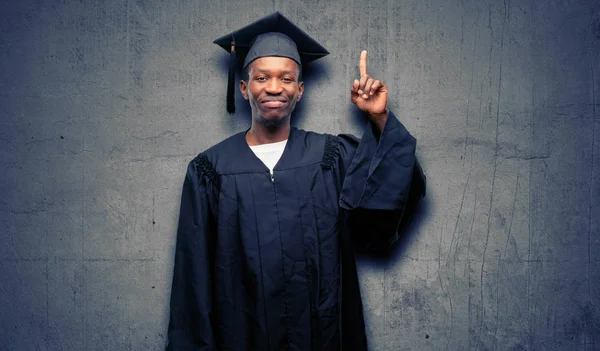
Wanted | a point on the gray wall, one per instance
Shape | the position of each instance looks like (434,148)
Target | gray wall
(102,105)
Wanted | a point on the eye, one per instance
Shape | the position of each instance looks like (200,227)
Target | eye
(261,78)
(287,79)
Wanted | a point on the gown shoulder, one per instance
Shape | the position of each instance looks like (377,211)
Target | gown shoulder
(232,155)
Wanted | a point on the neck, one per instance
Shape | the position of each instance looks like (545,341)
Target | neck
(262,134)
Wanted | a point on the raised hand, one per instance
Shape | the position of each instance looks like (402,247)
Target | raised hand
(368,94)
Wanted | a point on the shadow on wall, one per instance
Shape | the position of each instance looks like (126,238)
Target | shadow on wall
(406,235)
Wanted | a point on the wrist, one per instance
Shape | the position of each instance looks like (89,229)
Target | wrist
(380,116)
(379,119)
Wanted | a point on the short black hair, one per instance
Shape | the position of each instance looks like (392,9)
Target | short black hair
(246,73)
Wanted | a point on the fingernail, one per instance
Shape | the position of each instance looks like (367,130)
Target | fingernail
(365,96)
(360,91)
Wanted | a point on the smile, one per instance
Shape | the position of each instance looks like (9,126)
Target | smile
(273,103)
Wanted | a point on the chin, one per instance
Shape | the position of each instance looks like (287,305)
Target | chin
(273,119)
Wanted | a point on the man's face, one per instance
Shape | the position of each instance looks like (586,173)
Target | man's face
(272,89)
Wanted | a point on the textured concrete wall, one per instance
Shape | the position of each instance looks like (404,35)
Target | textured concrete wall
(103,103)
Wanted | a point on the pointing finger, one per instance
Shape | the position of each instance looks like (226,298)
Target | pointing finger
(363,63)
(363,81)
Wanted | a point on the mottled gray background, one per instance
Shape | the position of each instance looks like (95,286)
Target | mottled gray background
(103,103)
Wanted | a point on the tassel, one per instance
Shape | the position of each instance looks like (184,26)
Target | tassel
(231,80)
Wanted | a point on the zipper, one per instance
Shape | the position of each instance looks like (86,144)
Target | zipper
(284,292)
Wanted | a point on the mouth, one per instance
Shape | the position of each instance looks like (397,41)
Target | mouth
(273,103)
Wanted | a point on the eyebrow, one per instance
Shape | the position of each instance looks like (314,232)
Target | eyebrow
(267,71)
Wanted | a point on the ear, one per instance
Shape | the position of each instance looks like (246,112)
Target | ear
(300,90)
(244,89)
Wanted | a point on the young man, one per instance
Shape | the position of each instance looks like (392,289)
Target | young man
(270,217)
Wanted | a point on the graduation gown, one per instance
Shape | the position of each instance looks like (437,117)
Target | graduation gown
(267,263)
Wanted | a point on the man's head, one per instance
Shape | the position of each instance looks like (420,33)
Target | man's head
(272,37)
(272,85)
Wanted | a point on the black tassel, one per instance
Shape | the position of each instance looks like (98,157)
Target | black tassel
(231,80)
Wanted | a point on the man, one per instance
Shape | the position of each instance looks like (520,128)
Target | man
(270,217)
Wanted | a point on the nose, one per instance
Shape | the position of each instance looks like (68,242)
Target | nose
(273,86)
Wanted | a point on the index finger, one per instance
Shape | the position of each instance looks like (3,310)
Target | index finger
(363,63)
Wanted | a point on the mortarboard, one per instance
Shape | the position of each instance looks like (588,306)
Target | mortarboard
(272,35)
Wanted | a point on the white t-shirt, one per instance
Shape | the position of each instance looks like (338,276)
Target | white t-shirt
(269,154)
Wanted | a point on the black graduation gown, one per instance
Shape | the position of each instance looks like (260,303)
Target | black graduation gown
(261,263)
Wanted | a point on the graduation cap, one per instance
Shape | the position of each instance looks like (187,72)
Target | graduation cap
(272,35)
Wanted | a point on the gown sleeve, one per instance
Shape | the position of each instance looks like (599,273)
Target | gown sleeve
(383,183)
(190,325)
